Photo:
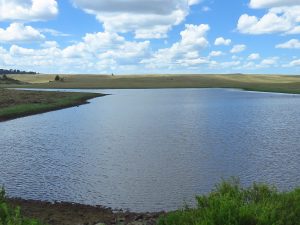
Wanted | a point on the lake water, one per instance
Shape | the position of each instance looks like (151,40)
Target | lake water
(151,150)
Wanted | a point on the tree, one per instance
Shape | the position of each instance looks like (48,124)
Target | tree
(57,78)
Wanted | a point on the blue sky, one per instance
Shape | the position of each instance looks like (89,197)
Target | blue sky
(153,36)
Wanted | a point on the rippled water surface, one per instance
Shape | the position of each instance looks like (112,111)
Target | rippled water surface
(149,150)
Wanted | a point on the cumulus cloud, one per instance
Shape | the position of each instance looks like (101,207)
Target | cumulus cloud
(185,52)
(106,50)
(215,53)
(17,32)
(225,65)
(147,19)
(272,3)
(271,61)
(97,51)
(50,44)
(254,56)
(238,48)
(293,43)
(28,10)
(281,17)
(222,41)
(194,2)
(294,63)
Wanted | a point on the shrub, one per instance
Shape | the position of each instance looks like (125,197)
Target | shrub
(9,216)
(57,78)
(231,204)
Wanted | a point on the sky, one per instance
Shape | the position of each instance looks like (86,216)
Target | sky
(150,36)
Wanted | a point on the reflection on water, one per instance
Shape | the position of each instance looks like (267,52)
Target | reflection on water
(149,150)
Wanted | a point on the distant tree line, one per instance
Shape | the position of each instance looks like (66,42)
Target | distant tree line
(11,71)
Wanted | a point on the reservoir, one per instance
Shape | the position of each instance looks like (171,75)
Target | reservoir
(153,149)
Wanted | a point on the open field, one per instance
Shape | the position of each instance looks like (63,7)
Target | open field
(15,103)
(266,83)
(32,78)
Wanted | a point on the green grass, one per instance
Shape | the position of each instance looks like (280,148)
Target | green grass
(231,204)
(33,108)
(14,103)
(12,216)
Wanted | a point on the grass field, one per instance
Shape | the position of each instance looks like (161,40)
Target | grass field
(15,103)
(267,83)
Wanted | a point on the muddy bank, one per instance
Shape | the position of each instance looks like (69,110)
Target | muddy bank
(62,213)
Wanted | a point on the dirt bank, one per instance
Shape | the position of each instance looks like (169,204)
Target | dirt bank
(77,214)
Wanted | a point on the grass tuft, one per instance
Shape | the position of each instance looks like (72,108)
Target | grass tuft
(12,216)
(231,204)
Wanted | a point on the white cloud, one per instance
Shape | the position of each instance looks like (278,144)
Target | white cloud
(192,62)
(238,48)
(235,57)
(271,61)
(224,65)
(294,63)
(184,52)
(105,45)
(254,56)
(293,43)
(215,53)
(28,10)
(50,44)
(147,19)
(249,65)
(17,32)
(269,23)
(283,19)
(272,3)
(96,52)
(53,32)
(194,2)
(222,41)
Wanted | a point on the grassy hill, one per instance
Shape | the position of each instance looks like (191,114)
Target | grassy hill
(267,83)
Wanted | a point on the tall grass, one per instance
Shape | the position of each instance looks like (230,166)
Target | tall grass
(12,216)
(231,204)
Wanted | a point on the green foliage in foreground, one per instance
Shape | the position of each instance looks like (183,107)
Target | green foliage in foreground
(230,204)
(10,216)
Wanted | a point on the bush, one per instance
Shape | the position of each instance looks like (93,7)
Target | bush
(57,78)
(9,216)
(230,204)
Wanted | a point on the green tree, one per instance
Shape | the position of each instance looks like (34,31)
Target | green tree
(57,78)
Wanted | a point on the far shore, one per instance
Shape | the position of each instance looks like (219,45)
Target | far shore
(17,103)
(262,83)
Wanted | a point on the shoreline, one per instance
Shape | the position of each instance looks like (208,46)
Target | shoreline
(289,92)
(68,213)
(81,98)
(45,102)
(261,83)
